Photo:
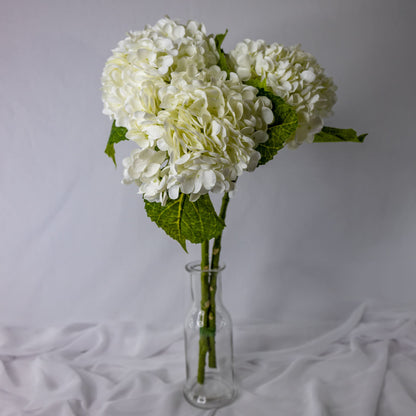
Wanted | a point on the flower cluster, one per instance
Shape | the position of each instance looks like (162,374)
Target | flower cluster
(293,75)
(197,127)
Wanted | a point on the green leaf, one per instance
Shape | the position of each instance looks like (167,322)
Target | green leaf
(260,85)
(283,127)
(184,220)
(332,134)
(219,39)
(222,63)
(117,134)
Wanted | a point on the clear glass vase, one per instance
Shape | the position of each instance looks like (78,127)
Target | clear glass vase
(208,342)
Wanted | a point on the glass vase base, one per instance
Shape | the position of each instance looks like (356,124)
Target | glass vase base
(213,394)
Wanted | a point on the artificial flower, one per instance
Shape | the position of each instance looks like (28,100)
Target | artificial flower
(293,75)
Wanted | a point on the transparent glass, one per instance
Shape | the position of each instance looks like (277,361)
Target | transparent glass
(208,342)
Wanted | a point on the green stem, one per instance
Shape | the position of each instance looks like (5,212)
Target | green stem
(205,303)
(212,359)
(208,293)
(215,261)
(216,249)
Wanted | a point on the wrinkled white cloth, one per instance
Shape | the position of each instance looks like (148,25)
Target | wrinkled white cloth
(363,367)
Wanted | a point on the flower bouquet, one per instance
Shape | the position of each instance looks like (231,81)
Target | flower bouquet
(201,117)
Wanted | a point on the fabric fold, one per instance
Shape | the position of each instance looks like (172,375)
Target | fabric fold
(363,366)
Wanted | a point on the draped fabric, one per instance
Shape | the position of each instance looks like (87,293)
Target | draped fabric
(363,366)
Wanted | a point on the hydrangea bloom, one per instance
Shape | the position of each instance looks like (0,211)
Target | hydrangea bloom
(293,75)
(196,129)
(143,62)
(205,134)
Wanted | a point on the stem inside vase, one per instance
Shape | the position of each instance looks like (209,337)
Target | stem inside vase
(208,304)
(208,342)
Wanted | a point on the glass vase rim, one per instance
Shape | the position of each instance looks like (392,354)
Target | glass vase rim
(195,267)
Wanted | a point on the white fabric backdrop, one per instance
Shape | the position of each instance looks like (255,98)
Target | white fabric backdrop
(312,234)
(365,366)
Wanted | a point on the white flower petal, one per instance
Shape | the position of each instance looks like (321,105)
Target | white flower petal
(208,179)
(260,136)
(183,159)
(308,76)
(173,192)
(154,132)
(254,161)
(267,115)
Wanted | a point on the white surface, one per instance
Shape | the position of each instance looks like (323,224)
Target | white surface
(312,234)
(365,366)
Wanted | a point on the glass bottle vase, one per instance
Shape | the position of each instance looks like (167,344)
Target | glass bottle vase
(208,342)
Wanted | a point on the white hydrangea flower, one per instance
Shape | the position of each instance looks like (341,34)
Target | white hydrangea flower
(196,129)
(206,132)
(142,63)
(293,75)
(143,167)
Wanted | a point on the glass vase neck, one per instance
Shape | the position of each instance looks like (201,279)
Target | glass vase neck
(199,277)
